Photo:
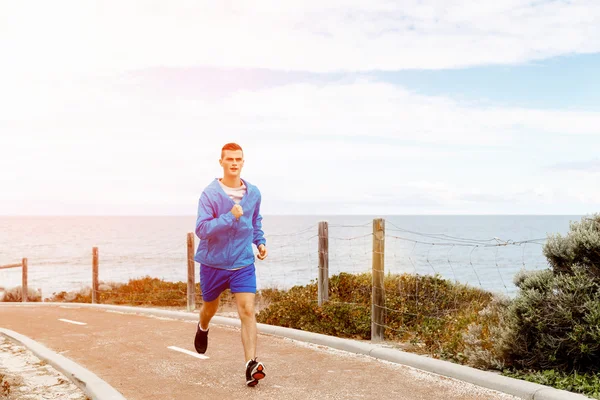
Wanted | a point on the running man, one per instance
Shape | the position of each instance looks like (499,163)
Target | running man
(228,223)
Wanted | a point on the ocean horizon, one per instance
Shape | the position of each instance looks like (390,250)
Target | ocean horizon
(485,251)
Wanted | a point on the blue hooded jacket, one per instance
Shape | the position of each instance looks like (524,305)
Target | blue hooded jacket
(226,242)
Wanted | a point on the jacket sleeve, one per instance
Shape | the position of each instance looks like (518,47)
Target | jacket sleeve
(207,223)
(258,237)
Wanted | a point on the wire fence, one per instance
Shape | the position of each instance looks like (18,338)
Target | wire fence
(488,264)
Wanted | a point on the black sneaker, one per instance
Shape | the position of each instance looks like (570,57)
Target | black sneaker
(255,371)
(201,340)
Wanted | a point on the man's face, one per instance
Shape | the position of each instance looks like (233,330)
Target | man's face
(232,162)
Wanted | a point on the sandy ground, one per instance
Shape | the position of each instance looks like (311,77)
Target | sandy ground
(30,378)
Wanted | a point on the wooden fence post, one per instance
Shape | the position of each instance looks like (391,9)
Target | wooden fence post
(191,267)
(24,281)
(378,291)
(323,277)
(94,275)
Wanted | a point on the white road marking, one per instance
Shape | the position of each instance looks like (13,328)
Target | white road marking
(72,322)
(190,353)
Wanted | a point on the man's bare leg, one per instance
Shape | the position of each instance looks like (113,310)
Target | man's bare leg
(245,306)
(207,311)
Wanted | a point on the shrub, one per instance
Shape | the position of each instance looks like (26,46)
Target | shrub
(16,295)
(81,296)
(580,247)
(145,291)
(554,322)
(428,312)
(141,291)
(484,340)
(587,384)
(298,308)
(432,313)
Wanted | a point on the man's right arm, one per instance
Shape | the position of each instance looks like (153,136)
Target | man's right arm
(207,224)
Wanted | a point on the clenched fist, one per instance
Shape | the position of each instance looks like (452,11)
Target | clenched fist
(262,252)
(237,211)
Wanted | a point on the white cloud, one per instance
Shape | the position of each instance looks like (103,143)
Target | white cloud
(67,36)
(579,165)
(348,147)
(360,110)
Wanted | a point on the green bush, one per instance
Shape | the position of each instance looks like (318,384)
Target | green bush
(141,291)
(587,384)
(581,247)
(146,291)
(298,308)
(432,313)
(554,322)
(426,311)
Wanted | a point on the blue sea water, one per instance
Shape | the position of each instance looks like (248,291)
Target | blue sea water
(483,251)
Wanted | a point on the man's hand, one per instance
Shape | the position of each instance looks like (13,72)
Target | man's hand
(262,252)
(237,211)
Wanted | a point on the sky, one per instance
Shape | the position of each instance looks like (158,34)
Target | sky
(342,107)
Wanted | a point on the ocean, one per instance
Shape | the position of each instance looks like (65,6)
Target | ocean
(483,251)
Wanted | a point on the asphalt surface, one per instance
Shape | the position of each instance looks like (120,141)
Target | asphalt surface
(133,353)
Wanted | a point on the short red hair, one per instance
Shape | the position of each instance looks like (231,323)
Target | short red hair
(231,146)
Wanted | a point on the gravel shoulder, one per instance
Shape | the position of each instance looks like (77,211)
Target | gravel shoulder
(27,377)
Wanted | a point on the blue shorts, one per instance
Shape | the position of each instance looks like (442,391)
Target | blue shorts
(214,281)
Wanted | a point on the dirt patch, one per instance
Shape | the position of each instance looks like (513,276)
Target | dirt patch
(23,376)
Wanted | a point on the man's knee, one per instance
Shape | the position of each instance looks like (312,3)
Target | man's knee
(246,309)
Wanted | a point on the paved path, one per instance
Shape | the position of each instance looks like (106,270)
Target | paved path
(131,352)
